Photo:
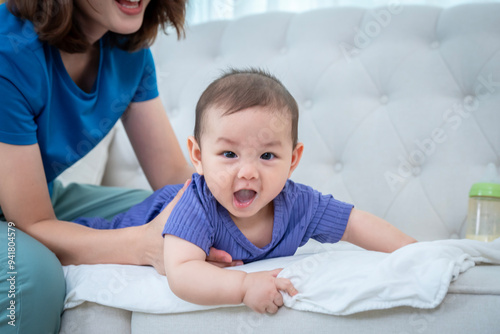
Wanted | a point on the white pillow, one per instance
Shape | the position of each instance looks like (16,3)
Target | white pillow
(337,279)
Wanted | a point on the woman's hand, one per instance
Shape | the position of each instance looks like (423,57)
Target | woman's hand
(222,259)
(153,240)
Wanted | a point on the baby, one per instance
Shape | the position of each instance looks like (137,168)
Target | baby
(245,148)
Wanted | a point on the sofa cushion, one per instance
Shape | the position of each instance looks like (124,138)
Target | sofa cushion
(482,279)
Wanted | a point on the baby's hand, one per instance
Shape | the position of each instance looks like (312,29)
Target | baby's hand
(262,290)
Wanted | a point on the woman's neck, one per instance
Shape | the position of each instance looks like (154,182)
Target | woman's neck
(90,28)
(83,67)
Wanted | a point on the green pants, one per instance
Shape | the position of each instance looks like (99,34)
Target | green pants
(32,286)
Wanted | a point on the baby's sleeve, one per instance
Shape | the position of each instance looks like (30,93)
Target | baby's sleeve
(330,219)
(190,221)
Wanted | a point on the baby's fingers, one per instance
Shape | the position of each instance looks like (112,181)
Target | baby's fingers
(272,308)
(284,284)
(278,299)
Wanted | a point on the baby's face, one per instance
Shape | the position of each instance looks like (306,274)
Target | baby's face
(247,157)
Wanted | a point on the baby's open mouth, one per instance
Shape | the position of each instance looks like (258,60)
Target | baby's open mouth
(244,197)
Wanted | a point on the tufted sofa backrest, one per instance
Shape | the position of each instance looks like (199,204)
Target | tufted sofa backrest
(399,105)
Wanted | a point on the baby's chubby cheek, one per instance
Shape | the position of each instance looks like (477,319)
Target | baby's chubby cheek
(218,183)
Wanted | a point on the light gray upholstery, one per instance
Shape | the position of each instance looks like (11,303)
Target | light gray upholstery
(90,318)
(459,313)
(400,125)
(399,114)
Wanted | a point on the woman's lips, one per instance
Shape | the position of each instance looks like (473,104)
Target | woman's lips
(130,7)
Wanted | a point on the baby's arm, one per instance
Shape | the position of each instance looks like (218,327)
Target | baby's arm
(193,279)
(373,233)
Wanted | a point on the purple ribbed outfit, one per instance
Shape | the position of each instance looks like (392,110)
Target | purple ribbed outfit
(300,213)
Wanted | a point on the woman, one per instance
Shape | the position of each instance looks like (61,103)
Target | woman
(68,71)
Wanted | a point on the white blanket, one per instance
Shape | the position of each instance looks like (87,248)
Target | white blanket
(335,279)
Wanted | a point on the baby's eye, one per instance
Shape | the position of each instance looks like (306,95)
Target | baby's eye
(229,154)
(267,156)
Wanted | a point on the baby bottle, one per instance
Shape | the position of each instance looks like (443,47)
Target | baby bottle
(483,218)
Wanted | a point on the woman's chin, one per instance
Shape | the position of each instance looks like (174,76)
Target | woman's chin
(126,26)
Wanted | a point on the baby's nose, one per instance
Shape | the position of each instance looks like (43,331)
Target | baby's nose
(247,171)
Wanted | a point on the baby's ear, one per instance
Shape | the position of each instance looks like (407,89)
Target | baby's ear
(296,156)
(195,154)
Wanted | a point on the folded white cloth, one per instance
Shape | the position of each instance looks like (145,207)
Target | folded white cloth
(334,280)
(417,275)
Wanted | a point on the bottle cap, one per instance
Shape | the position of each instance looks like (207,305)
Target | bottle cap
(485,190)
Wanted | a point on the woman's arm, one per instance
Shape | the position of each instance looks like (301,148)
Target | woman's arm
(193,279)
(155,144)
(374,233)
(25,200)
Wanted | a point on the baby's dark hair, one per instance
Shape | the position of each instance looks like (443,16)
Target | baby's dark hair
(236,90)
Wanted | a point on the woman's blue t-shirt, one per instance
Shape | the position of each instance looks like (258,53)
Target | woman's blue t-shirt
(40,103)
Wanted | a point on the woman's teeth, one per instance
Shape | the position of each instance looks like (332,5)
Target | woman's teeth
(130,3)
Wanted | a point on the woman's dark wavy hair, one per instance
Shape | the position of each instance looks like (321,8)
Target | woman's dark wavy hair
(54,21)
